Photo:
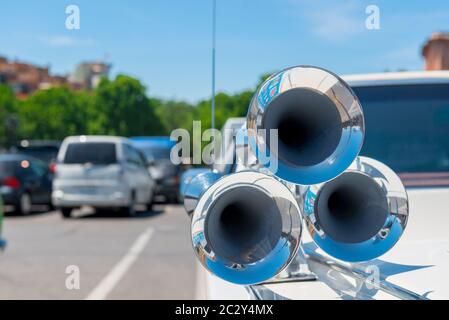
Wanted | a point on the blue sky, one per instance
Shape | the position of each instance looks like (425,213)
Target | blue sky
(166,43)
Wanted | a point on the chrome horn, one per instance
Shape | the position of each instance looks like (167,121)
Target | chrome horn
(359,215)
(319,122)
(196,187)
(246,227)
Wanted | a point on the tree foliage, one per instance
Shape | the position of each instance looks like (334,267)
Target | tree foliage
(121,107)
(116,107)
(8,118)
(53,114)
(174,114)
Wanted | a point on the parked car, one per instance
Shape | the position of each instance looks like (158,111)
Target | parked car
(407,128)
(164,172)
(2,241)
(24,181)
(102,172)
(44,150)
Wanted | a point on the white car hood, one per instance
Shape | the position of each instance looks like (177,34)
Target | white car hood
(418,263)
(420,260)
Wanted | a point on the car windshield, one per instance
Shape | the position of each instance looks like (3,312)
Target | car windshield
(407,127)
(91,152)
(156,153)
(45,154)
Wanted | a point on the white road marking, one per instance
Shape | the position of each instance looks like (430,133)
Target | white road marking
(108,283)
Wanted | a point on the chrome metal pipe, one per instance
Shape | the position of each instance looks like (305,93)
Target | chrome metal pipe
(246,227)
(196,187)
(319,123)
(359,215)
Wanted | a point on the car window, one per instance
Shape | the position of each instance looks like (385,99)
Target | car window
(38,169)
(156,153)
(132,156)
(91,152)
(142,158)
(44,153)
(407,126)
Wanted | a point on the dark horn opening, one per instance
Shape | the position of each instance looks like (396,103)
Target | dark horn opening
(308,123)
(351,208)
(243,225)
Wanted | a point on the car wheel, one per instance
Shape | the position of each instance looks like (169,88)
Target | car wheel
(149,206)
(176,199)
(130,210)
(24,205)
(173,199)
(66,212)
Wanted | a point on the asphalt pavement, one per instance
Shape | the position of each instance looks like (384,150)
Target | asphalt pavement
(98,256)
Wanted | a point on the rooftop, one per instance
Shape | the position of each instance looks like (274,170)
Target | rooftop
(397,78)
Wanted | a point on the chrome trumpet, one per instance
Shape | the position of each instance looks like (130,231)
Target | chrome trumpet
(359,215)
(246,226)
(319,122)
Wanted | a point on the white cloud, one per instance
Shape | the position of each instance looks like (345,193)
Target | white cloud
(66,41)
(330,20)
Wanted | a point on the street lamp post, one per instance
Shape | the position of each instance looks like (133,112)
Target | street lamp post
(214,6)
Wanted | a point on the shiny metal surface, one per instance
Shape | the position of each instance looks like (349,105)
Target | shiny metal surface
(319,121)
(359,215)
(332,273)
(187,177)
(245,157)
(195,188)
(347,281)
(297,271)
(246,227)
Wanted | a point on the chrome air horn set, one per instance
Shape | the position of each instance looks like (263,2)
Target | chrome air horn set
(246,226)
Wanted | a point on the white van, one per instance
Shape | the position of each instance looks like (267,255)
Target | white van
(102,172)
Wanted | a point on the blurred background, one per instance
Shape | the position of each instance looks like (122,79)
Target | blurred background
(155,55)
(141,69)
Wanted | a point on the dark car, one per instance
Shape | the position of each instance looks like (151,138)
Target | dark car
(44,150)
(164,172)
(24,181)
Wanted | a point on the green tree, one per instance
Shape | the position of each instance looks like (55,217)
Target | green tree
(121,107)
(226,106)
(54,114)
(174,114)
(116,107)
(8,115)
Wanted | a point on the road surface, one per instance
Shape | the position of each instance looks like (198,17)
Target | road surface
(146,257)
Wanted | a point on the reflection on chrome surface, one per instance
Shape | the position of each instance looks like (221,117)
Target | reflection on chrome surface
(359,215)
(196,187)
(246,227)
(335,274)
(348,281)
(319,122)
